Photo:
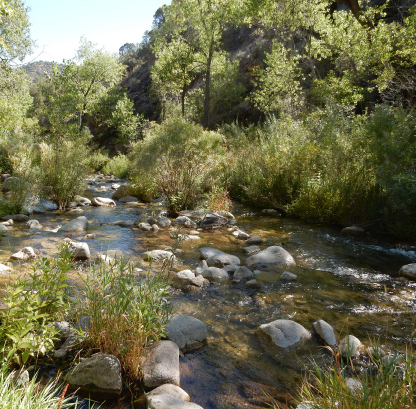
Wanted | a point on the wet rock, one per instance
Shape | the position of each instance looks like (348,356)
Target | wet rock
(81,250)
(11,183)
(213,220)
(99,375)
(163,222)
(144,218)
(254,284)
(243,273)
(25,254)
(77,225)
(184,221)
(214,274)
(115,186)
(254,240)
(83,201)
(251,249)
(201,267)
(166,401)
(218,258)
(127,199)
(161,365)
(17,218)
(90,236)
(241,235)
(353,230)
(408,271)
(270,212)
(184,278)
(231,268)
(188,333)
(349,346)
(33,224)
(287,276)
(158,255)
(325,332)
(144,226)
(171,390)
(284,333)
(103,201)
(199,281)
(186,237)
(274,256)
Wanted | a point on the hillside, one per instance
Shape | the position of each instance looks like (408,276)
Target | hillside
(37,69)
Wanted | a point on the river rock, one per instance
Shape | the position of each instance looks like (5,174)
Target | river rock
(184,278)
(274,256)
(3,229)
(354,386)
(353,230)
(215,274)
(201,267)
(18,218)
(127,199)
(167,401)
(144,226)
(186,237)
(241,235)
(270,212)
(81,249)
(199,281)
(5,269)
(253,284)
(76,225)
(11,183)
(213,220)
(188,333)
(103,201)
(251,249)
(254,240)
(349,346)
(68,339)
(218,258)
(243,273)
(144,218)
(288,276)
(163,222)
(115,186)
(172,390)
(83,201)
(284,333)
(193,214)
(325,332)
(184,221)
(33,224)
(100,375)
(26,253)
(161,365)
(158,255)
(408,271)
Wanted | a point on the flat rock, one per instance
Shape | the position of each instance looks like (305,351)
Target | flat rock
(188,333)
(18,218)
(158,255)
(166,401)
(161,365)
(172,390)
(100,375)
(274,256)
(103,201)
(284,333)
(76,225)
(217,258)
(325,332)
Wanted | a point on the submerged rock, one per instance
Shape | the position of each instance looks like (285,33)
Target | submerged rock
(76,225)
(274,256)
(288,276)
(284,333)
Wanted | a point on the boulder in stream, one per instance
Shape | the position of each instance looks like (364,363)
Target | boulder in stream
(353,231)
(158,255)
(184,221)
(126,199)
(188,333)
(99,375)
(215,274)
(274,256)
(25,254)
(349,347)
(408,271)
(284,333)
(167,401)
(214,220)
(325,332)
(33,224)
(79,224)
(103,201)
(217,258)
(18,218)
(172,390)
(81,249)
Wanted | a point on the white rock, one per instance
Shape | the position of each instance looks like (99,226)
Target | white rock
(349,346)
(285,333)
(26,253)
(326,332)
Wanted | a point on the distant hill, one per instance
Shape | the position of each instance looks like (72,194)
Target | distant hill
(37,69)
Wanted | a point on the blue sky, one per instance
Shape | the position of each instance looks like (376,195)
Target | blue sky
(58,25)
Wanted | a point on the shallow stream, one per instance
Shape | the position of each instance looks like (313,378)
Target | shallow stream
(350,282)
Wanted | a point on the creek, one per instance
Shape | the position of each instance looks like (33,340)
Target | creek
(350,282)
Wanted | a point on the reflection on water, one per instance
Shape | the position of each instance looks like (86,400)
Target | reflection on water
(351,283)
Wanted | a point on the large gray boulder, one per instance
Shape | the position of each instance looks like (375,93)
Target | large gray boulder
(284,333)
(76,225)
(188,333)
(184,221)
(161,365)
(215,274)
(325,332)
(217,258)
(274,256)
(408,271)
(81,249)
(99,375)
(172,390)
(166,401)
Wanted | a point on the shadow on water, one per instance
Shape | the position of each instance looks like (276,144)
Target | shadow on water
(351,283)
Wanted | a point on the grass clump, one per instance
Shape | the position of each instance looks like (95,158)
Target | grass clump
(121,314)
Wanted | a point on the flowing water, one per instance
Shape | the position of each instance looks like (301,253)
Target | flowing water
(351,283)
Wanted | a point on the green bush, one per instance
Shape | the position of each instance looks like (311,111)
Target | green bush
(97,161)
(177,160)
(118,166)
(121,315)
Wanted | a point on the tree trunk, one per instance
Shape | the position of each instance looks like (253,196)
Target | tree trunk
(207,91)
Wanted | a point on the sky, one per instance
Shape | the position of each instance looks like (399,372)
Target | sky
(58,25)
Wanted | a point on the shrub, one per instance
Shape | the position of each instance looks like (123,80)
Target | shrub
(177,160)
(121,315)
(118,166)
(97,161)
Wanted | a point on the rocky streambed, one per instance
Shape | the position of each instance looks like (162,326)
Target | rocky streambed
(246,277)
